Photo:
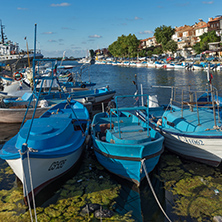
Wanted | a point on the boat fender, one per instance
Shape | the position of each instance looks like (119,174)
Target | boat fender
(159,122)
(83,85)
(17,76)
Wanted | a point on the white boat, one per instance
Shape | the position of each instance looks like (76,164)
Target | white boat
(179,65)
(55,143)
(194,130)
(197,67)
(16,88)
(168,66)
(151,64)
(159,65)
(10,54)
(141,64)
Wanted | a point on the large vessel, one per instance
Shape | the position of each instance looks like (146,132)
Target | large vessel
(10,55)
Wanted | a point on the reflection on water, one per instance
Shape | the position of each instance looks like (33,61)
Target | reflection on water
(186,190)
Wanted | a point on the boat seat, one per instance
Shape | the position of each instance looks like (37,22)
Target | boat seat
(132,128)
(62,115)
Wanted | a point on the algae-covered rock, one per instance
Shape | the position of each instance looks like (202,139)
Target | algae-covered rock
(199,169)
(43,217)
(171,160)
(51,211)
(189,186)
(103,213)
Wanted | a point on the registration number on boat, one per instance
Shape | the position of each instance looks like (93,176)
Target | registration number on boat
(191,141)
(57,165)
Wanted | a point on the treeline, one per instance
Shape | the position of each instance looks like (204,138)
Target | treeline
(128,46)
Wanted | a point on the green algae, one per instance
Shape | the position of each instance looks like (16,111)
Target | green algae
(90,185)
(196,188)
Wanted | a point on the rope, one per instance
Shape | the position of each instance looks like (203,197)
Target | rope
(25,189)
(154,194)
(30,176)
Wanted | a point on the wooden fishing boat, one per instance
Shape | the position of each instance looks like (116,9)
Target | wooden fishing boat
(122,142)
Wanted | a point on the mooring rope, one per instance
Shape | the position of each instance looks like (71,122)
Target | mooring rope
(25,189)
(151,187)
(30,178)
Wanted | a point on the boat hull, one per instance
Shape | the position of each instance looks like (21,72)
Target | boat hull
(8,115)
(124,154)
(43,170)
(203,150)
(129,168)
(202,146)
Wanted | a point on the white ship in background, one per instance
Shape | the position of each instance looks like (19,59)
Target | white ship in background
(10,55)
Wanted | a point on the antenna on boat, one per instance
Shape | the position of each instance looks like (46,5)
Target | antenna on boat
(209,78)
(63,57)
(27,52)
(136,97)
(2,32)
(34,52)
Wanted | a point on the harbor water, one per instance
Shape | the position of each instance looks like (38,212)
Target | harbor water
(187,191)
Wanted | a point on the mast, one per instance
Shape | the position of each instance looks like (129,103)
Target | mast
(2,32)
(33,65)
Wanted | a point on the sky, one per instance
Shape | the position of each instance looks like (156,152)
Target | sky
(78,26)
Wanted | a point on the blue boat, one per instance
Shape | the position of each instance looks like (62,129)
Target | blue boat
(191,125)
(122,142)
(12,109)
(49,146)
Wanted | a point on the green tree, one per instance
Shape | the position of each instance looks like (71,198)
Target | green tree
(197,48)
(92,53)
(171,46)
(163,35)
(204,40)
(157,50)
(125,46)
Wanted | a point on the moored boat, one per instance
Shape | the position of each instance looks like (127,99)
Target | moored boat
(47,147)
(193,130)
(122,143)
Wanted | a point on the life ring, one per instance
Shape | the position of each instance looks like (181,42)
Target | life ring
(17,76)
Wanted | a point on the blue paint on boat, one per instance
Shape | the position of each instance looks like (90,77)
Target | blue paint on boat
(122,141)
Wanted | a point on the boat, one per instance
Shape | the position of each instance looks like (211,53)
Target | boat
(48,146)
(179,65)
(191,126)
(150,64)
(159,65)
(197,67)
(122,142)
(10,54)
(168,66)
(13,108)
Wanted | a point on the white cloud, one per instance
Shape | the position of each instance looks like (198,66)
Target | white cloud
(51,40)
(209,3)
(95,36)
(48,33)
(146,32)
(137,18)
(22,8)
(64,4)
